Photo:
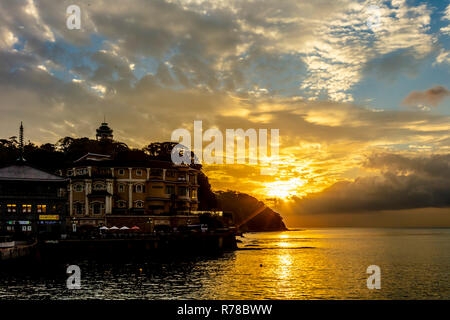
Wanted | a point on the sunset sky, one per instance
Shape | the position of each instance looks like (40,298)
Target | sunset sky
(358,89)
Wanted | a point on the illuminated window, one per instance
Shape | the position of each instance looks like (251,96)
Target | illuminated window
(121,188)
(26,208)
(41,208)
(12,208)
(194,193)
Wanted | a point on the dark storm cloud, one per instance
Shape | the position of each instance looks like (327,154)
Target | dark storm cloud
(433,97)
(405,183)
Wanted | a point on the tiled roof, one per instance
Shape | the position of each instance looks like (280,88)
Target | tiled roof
(27,173)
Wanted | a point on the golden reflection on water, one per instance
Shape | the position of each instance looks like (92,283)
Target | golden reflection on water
(303,264)
(283,244)
(331,264)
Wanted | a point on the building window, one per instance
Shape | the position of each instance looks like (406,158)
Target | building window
(12,208)
(170,189)
(78,188)
(41,208)
(121,172)
(97,207)
(70,172)
(82,171)
(26,208)
(156,172)
(181,177)
(61,192)
(78,208)
(182,191)
(99,186)
(121,204)
(139,188)
(139,204)
(104,172)
(121,188)
(139,172)
(170,173)
(194,194)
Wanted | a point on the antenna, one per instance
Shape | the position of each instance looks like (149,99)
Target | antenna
(21,158)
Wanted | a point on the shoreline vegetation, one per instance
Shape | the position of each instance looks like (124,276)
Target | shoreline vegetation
(251,215)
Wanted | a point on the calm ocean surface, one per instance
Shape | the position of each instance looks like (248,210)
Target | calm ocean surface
(302,264)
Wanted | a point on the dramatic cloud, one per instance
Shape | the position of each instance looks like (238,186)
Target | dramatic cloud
(218,44)
(443,57)
(405,183)
(433,97)
(446,17)
(304,67)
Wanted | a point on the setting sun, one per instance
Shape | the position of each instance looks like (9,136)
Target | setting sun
(284,189)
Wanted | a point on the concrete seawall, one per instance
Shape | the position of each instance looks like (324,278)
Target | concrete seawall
(163,244)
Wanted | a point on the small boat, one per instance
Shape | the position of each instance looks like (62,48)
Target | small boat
(6,242)
(10,250)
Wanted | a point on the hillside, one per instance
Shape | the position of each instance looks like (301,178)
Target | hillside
(250,213)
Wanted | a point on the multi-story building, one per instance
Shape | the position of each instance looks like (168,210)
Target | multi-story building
(108,191)
(32,202)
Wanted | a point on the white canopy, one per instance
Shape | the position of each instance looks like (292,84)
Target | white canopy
(103,228)
(124,228)
(114,228)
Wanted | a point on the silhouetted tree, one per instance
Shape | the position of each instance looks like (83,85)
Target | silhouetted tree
(206,197)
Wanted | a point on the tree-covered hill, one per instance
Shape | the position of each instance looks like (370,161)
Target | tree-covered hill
(250,213)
